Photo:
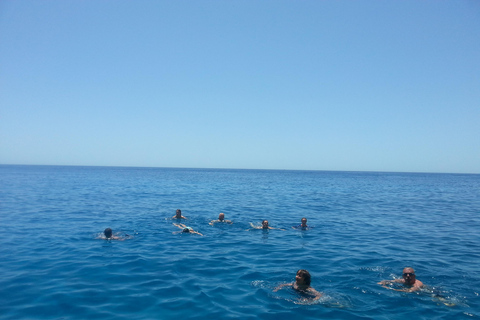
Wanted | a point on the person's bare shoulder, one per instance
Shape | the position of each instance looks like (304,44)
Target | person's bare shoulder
(418,284)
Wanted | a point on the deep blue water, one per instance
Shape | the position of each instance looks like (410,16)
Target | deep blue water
(367,227)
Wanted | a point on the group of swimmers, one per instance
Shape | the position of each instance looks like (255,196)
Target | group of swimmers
(221,219)
(302,278)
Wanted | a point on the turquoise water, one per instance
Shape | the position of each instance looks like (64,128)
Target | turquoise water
(367,227)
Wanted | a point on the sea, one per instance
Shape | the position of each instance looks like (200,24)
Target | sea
(364,227)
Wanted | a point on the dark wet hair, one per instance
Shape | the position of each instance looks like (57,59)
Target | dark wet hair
(264,221)
(179,211)
(306,275)
(108,232)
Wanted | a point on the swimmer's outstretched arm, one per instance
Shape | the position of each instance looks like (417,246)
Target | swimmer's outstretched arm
(282,285)
(405,290)
(196,232)
(179,225)
(385,282)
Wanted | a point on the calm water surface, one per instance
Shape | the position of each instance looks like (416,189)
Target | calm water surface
(367,227)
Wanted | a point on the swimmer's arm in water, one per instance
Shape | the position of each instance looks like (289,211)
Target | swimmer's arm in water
(316,295)
(182,217)
(416,286)
(216,221)
(112,238)
(196,232)
(385,282)
(282,286)
(412,289)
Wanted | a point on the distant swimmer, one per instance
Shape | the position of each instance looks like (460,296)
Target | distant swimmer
(108,235)
(178,215)
(221,218)
(186,229)
(303,225)
(302,285)
(409,281)
(264,226)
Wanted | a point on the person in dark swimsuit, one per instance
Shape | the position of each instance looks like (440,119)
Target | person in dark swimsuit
(302,285)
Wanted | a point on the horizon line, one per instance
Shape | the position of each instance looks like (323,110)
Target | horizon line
(212,168)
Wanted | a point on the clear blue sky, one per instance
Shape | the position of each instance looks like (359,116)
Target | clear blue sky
(309,85)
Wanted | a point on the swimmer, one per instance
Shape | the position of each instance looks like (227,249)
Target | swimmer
(178,215)
(264,226)
(303,225)
(302,285)
(108,235)
(221,218)
(186,229)
(409,281)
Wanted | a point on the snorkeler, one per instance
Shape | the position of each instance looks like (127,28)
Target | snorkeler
(264,226)
(178,215)
(303,225)
(221,218)
(302,285)
(409,280)
(108,235)
(186,229)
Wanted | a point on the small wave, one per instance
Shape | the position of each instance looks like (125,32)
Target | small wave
(375,269)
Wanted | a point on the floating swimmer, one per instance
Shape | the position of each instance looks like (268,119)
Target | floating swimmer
(409,281)
(264,226)
(178,215)
(221,218)
(186,229)
(303,225)
(108,235)
(302,285)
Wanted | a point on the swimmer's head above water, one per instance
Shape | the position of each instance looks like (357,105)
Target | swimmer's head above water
(265,224)
(409,276)
(304,222)
(303,277)
(221,216)
(108,233)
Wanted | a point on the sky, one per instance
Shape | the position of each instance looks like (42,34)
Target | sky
(295,85)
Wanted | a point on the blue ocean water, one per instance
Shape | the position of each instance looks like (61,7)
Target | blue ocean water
(366,227)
